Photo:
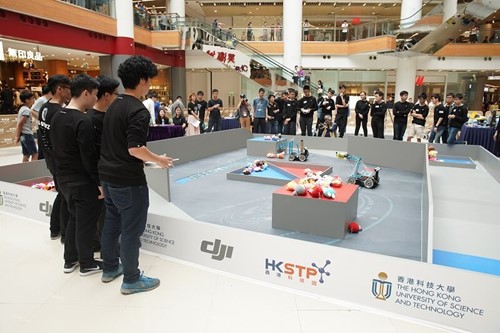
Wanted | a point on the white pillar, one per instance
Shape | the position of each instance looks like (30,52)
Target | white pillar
(410,12)
(125,19)
(405,77)
(292,33)
(177,7)
(449,9)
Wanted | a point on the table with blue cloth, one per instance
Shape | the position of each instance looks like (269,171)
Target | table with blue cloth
(482,136)
(230,123)
(165,132)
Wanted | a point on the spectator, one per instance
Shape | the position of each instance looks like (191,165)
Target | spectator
(278,30)
(243,113)
(7,97)
(149,103)
(400,112)
(24,132)
(259,106)
(306,107)
(126,192)
(193,116)
(178,118)
(456,118)
(305,27)
(75,155)
(214,112)
(361,109)
(378,110)
(418,112)
(345,30)
(249,32)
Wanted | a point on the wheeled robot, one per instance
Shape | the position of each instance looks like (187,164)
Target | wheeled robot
(361,174)
(300,154)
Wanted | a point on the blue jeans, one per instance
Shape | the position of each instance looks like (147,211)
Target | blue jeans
(436,135)
(126,214)
(452,135)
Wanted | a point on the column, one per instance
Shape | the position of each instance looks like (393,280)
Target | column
(405,77)
(178,84)
(124,44)
(410,12)
(449,9)
(292,34)
(177,7)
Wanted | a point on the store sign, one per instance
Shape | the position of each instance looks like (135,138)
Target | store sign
(16,54)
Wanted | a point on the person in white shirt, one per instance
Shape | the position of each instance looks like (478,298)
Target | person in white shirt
(149,103)
(345,29)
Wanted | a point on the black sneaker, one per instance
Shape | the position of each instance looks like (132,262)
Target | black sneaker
(91,270)
(55,235)
(70,267)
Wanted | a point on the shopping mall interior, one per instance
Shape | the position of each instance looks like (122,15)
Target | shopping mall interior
(426,226)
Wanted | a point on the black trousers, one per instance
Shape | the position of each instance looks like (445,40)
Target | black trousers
(290,128)
(306,124)
(259,125)
(378,128)
(84,208)
(59,215)
(361,122)
(399,130)
(341,121)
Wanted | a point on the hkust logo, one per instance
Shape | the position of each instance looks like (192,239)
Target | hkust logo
(301,273)
(381,288)
(218,250)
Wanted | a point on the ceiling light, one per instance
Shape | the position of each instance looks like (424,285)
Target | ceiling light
(379,4)
(394,4)
(348,4)
(319,3)
(215,10)
(364,4)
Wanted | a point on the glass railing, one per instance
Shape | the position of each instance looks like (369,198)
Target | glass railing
(154,21)
(105,7)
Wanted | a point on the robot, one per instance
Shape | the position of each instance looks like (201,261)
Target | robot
(301,154)
(361,174)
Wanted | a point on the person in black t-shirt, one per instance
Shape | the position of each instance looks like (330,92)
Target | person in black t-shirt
(400,112)
(214,113)
(306,107)
(74,151)
(496,138)
(456,119)
(361,109)
(342,105)
(179,119)
(290,114)
(440,119)
(202,106)
(60,89)
(418,112)
(106,94)
(274,116)
(378,110)
(121,171)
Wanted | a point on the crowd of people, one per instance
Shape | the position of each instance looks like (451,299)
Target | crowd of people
(286,112)
(88,131)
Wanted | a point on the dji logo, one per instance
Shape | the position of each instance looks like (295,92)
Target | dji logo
(45,207)
(217,250)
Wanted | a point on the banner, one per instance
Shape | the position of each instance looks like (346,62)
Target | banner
(444,296)
(231,58)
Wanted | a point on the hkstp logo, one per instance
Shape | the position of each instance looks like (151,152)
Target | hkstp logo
(218,250)
(300,272)
(381,288)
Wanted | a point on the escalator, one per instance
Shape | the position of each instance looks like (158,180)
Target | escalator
(239,56)
(423,38)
